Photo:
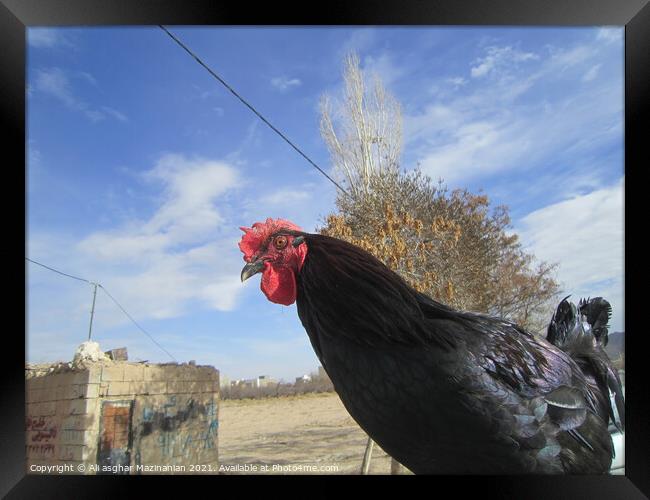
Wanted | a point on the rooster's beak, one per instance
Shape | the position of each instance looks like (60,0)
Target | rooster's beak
(251,268)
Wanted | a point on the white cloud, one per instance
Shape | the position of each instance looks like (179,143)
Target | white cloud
(283,83)
(585,235)
(191,187)
(87,77)
(183,253)
(115,114)
(250,142)
(45,38)
(592,73)
(457,81)
(483,68)
(477,148)
(168,283)
(610,34)
(499,58)
(384,67)
(436,119)
(564,59)
(359,41)
(491,128)
(187,213)
(56,83)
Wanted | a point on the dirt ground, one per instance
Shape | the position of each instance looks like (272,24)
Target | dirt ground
(306,434)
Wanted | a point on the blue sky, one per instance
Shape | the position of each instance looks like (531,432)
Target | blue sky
(141,168)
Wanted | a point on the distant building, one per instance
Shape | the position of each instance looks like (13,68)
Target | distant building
(303,379)
(240,382)
(265,381)
(256,383)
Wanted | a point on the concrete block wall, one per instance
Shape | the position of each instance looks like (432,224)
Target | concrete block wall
(174,416)
(60,415)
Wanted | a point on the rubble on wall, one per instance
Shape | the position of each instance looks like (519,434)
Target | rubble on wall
(87,355)
(119,354)
(42,369)
(33,370)
(89,351)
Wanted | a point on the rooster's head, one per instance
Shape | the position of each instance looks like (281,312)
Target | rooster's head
(277,249)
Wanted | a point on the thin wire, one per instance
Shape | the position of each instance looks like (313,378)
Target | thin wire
(196,58)
(51,269)
(135,322)
(112,298)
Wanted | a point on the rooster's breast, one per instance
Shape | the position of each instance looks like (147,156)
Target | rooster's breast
(406,400)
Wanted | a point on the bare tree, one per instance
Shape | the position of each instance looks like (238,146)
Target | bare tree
(453,246)
(365,137)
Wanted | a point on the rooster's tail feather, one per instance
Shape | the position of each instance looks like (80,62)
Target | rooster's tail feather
(582,332)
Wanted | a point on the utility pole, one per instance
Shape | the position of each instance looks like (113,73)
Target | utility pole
(92,311)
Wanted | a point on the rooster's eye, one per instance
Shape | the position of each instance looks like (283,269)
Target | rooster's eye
(280,242)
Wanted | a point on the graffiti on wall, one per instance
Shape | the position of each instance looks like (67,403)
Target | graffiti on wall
(41,450)
(41,440)
(183,428)
(43,429)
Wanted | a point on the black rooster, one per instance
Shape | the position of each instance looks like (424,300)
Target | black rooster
(442,391)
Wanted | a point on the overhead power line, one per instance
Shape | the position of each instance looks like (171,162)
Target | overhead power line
(111,297)
(52,269)
(249,106)
(136,323)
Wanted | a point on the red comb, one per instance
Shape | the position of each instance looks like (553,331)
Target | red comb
(256,235)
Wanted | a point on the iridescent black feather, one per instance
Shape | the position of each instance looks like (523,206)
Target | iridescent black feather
(582,332)
(445,391)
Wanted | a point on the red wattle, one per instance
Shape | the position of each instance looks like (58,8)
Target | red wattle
(279,285)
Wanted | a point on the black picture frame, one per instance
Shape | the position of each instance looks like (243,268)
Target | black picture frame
(16,15)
